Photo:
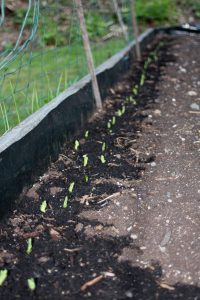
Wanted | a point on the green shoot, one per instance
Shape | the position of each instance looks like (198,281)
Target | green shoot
(77,144)
(113,120)
(103,148)
(142,79)
(3,276)
(86,178)
(31,284)
(43,206)
(102,158)
(146,64)
(86,134)
(135,90)
(119,113)
(29,246)
(71,187)
(123,110)
(85,160)
(65,203)
(132,100)
(109,125)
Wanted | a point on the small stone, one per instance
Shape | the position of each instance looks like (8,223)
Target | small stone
(43,259)
(192,93)
(55,235)
(134,236)
(79,227)
(157,113)
(153,164)
(129,294)
(195,106)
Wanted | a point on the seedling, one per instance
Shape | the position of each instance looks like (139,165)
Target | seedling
(77,144)
(119,113)
(86,134)
(109,125)
(113,120)
(29,246)
(31,284)
(103,148)
(43,206)
(86,178)
(142,79)
(102,158)
(135,90)
(3,276)
(71,187)
(132,100)
(85,160)
(123,109)
(65,203)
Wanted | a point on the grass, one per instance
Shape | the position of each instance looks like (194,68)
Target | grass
(32,81)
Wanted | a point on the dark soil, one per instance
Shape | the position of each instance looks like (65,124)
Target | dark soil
(134,227)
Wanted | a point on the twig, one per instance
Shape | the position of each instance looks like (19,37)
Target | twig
(194,112)
(91,283)
(72,250)
(109,197)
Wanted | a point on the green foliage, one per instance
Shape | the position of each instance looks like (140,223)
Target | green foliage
(85,160)
(76,145)
(86,178)
(86,134)
(3,276)
(102,158)
(96,25)
(20,15)
(155,10)
(71,187)
(103,148)
(29,246)
(65,203)
(43,206)
(31,284)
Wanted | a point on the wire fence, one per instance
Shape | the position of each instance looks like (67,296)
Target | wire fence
(41,51)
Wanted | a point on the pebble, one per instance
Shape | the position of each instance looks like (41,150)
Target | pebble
(195,106)
(153,164)
(129,294)
(134,236)
(192,93)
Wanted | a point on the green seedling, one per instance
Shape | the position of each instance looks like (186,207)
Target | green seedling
(119,113)
(86,134)
(132,100)
(29,246)
(76,145)
(31,284)
(102,158)
(85,160)
(135,90)
(103,148)
(142,79)
(146,64)
(113,120)
(123,109)
(109,125)
(3,276)
(65,203)
(43,206)
(86,178)
(71,187)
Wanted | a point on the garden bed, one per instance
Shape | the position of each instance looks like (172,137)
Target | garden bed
(80,231)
